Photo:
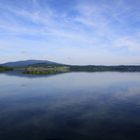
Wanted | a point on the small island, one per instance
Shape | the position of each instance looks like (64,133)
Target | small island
(46,70)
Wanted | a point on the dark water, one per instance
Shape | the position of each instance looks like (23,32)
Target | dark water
(71,106)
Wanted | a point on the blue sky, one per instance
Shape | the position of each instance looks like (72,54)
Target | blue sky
(71,31)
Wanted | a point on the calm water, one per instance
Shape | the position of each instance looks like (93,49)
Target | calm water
(71,106)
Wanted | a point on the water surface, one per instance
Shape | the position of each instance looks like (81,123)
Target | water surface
(70,106)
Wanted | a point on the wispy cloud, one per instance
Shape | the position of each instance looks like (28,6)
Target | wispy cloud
(104,28)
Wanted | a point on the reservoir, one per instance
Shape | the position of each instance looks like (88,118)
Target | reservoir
(70,106)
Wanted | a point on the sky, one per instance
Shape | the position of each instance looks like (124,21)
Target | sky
(84,32)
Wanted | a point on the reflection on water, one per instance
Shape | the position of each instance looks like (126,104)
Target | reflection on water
(70,106)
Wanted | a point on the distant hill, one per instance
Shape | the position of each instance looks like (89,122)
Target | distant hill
(27,63)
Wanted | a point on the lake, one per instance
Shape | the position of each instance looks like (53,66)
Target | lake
(70,106)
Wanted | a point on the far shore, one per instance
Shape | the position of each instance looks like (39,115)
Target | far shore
(47,70)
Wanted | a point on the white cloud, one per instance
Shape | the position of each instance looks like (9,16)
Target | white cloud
(96,26)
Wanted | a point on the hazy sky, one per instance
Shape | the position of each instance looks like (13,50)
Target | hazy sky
(71,31)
